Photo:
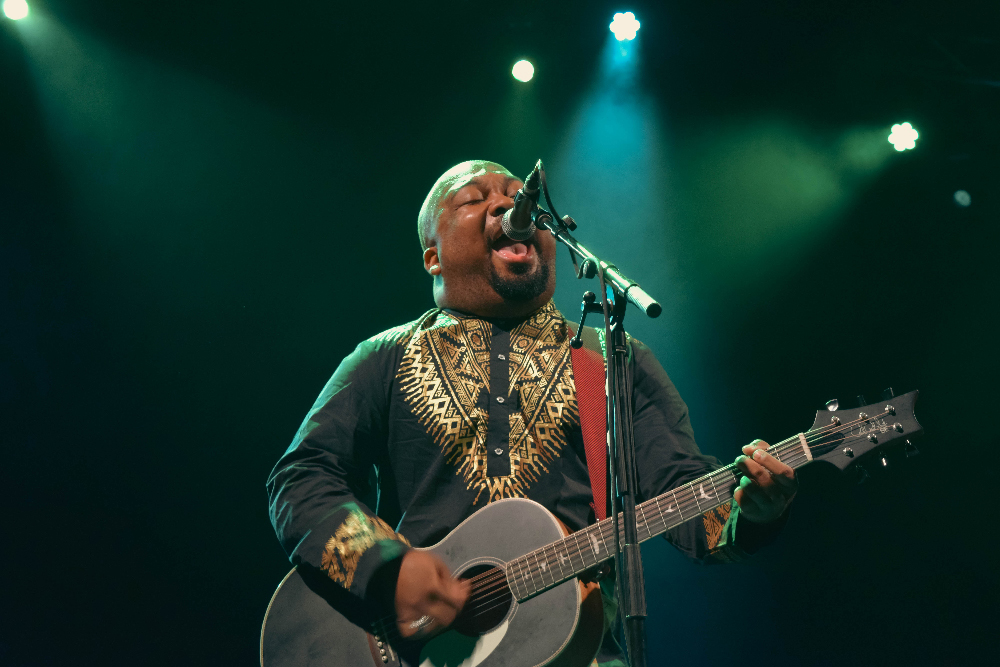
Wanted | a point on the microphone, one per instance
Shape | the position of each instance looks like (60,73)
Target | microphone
(516,223)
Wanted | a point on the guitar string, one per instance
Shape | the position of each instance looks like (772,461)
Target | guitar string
(500,595)
(492,582)
(484,597)
(486,600)
(683,506)
(689,502)
(777,449)
(485,586)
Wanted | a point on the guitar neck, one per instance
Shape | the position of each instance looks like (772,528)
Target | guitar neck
(544,568)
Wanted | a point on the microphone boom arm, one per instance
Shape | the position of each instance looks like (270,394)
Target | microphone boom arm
(622,284)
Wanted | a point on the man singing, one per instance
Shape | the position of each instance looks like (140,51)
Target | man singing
(474,402)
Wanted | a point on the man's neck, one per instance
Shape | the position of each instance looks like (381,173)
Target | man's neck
(502,322)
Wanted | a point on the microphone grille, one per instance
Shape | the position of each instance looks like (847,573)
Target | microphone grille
(513,234)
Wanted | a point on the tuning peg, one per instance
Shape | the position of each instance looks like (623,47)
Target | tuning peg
(887,394)
(860,475)
(832,405)
(861,401)
(911,449)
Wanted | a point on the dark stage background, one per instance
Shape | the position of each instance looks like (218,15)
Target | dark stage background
(204,207)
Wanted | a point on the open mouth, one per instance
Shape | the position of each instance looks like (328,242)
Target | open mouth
(513,251)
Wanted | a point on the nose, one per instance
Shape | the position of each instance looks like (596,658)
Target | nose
(500,203)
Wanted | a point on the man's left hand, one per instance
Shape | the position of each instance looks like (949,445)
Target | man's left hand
(768,486)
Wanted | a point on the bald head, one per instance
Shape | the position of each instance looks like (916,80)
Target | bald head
(476,268)
(449,183)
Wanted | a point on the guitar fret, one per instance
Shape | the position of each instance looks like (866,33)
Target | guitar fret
(547,562)
(591,549)
(521,580)
(534,570)
(526,575)
(567,557)
(645,523)
(540,566)
(546,565)
(715,490)
(606,550)
(576,544)
(513,578)
(693,495)
(656,503)
(587,550)
(558,561)
(677,504)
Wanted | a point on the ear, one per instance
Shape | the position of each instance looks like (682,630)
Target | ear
(432,263)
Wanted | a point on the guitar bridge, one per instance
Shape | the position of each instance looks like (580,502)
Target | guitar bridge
(382,651)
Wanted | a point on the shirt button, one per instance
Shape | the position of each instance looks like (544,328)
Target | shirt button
(498,451)
(499,399)
(500,356)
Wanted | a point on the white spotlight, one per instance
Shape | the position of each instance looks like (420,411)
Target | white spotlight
(15,10)
(624,26)
(903,136)
(523,71)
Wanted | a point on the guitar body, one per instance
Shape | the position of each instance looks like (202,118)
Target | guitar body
(312,622)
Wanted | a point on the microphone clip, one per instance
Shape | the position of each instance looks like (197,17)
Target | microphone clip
(586,306)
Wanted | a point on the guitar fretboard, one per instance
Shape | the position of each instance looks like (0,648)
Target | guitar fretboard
(540,570)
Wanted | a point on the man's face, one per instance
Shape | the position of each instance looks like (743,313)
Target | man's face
(482,270)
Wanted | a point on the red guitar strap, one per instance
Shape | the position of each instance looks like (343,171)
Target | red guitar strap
(588,373)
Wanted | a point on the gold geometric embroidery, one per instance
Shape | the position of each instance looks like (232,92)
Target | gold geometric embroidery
(445,370)
(393,335)
(715,523)
(358,533)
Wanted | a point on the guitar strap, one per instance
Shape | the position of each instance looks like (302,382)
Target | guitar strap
(591,400)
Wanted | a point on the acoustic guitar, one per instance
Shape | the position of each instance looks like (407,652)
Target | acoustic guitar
(527,607)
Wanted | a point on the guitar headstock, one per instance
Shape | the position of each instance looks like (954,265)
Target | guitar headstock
(843,436)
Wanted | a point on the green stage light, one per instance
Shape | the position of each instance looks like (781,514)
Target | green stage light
(903,136)
(523,71)
(963,198)
(15,10)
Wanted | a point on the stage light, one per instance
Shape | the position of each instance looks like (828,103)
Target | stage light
(15,10)
(523,71)
(903,136)
(963,198)
(624,26)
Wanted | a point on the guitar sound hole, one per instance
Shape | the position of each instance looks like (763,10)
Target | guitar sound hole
(489,601)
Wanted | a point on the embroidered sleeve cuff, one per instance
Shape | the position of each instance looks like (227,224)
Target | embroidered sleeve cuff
(720,533)
(360,545)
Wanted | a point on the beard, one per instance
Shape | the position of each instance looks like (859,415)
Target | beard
(524,287)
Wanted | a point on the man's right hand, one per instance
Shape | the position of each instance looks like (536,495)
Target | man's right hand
(427,597)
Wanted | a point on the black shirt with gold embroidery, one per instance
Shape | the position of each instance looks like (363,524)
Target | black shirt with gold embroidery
(438,417)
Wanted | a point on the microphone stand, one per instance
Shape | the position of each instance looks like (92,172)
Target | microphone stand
(616,291)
